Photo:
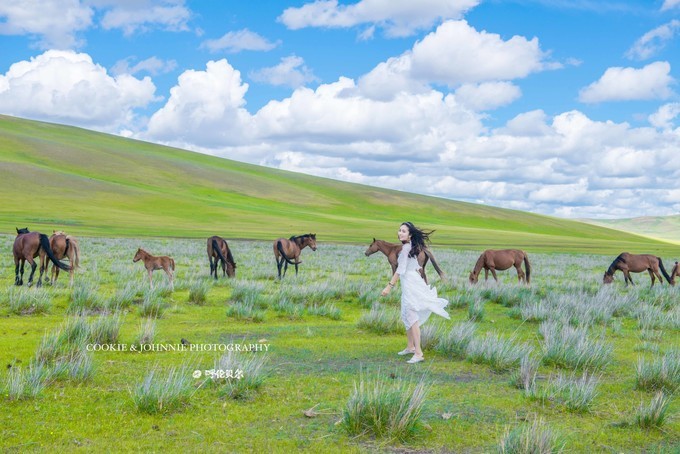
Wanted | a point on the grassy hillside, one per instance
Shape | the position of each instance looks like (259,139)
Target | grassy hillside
(665,228)
(96,184)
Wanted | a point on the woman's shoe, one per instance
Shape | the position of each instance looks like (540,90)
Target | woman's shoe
(406,351)
(416,359)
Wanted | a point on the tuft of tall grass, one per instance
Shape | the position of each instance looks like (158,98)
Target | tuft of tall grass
(26,384)
(289,309)
(326,310)
(499,353)
(385,408)
(577,394)
(455,342)
(24,301)
(245,373)
(147,332)
(152,306)
(654,414)
(535,438)
(85,298)
(246,310)
(105,329)
(525,377)
(661,374)
(565,346)
(381,320)
(198,292)
(476,310)
(430,333)
(163,394)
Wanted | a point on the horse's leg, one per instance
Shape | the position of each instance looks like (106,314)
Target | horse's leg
(296,265)
(55,274)
(486,274)
(17,280)
(493,272)
(652,276)
(520,274)
(278,266)
(170,277)
(150,280)
(23,264)
(212,267)
(285,267)
(33,267)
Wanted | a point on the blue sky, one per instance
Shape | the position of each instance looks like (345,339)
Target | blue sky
(567,108)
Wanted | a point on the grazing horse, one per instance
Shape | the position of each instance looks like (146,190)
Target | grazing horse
(392,250)
(152,263)
(63,245)
(218,249)
(27,246)
(492,260)
(675,272)
(287,251)
(636,263)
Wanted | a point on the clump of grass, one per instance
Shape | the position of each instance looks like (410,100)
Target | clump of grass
(289,309)
(476,310)
(125,297)
(152,306)
(661,374)
(163,394)
(77,367)
(565,346)
(577,394)
(535,438)
(85,298)
(385,408)
(24,301)
(381,320)
(654,414)
(455,342)
(525,377)
(198,292)
(241,374)
(105,329)
(499,353)
(326,310)
(246,310)
(26,384)
(430,333)
(147,332)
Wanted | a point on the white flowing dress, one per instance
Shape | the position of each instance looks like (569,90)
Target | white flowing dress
(418,300)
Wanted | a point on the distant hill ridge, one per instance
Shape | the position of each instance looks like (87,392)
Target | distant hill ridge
(95,184)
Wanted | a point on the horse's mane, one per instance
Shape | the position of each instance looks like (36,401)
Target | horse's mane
(612,267)
(306,235)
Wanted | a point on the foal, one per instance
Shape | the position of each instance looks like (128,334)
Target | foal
(152,263)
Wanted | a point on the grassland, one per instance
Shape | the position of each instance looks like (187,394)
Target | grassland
(318,350)
(58,177)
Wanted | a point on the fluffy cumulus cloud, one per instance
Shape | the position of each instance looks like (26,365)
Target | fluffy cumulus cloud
(664,116)
(670,4)
(396,17)
(54,22)
(134,16)
(455,54)
(234,42)
(205,109)
(69,87)
(624,84)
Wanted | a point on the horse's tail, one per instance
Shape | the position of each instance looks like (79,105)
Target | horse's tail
(72,243)
(172,263)
(230,257)
(45,244)
(218,249)
(528,267)
(279,246)
(663,271)
(434,264)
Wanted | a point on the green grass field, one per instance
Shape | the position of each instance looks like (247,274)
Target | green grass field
(317,350)
(58,177)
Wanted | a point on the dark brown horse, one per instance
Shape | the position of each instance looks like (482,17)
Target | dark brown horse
(218,250)
(392,250)
(27,246)
(287,251)
(152,263)
(675,272)
(63,245)
(636,263)
(492,260)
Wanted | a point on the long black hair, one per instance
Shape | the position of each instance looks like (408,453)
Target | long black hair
(418,238)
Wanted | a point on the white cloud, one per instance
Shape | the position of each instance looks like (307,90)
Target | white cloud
(291,72)
(670,4)
(664,116)
(653,41)
(55,22)
(134,16)
(397,17)
(205,108)
(625,84)
(234,42)
(68,87)
(487,95)
(152,65)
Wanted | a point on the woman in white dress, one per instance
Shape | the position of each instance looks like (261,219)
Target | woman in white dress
(418,300)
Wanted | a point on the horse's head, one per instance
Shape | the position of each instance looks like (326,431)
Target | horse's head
(311,241)
(58,232)
(473,277)
(608,278)
(20,231)
(373,248)
(138,255)
(231,269)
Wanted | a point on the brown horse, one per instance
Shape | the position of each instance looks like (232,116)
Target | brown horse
(218,249)
(392,250)
(636,263)
(63,245)
(492,260)
(27,246)
(675,272)
(287,251)
(152,263)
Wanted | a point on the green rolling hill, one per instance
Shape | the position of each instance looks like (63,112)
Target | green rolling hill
(93,184)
